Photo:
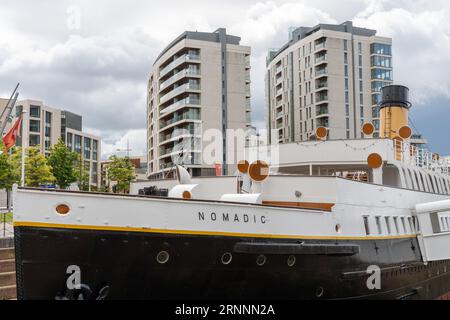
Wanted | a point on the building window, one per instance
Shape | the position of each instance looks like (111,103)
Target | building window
(381,61)
(361,109)
(94,150)
(382,74)
(77,144)
(35,111)
(360,73)
(346,97)
(361,86)
(378,48)
(360,60)
(87,148)
(347,110)
(346,83)
(361,98)
(35,125)
(345,58)
(345,45)
(34,140)
(347,123)
(69,141)
(346,70)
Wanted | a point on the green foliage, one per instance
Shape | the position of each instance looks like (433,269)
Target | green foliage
(122,171)
(7,174)
(37,170)
(63,163)
(82,174)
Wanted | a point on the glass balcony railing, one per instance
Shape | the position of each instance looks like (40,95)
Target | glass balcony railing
(321,111)
(321,45)
(321,98)
(321,72)
(178,90)
(179,117)
(178,76)
(178,61)
(321,85)
(320,59)
(186,101)
(279,69)
(279,91)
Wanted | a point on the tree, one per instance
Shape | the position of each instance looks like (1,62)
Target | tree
(122,171)
(82,174)
(7,173)
(37,170)
(63,163)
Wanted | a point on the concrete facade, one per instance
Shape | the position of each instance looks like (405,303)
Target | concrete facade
(326,76)
(201,81)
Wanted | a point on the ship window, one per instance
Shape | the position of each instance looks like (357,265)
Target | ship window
(397,230)
(388,224)
(442,224)
(404,225)
(366,225)
(410,225)
(378,221)
(416,224)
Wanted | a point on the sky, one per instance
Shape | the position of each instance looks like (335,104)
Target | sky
(94,57)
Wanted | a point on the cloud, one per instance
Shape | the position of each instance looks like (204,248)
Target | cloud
(101,70)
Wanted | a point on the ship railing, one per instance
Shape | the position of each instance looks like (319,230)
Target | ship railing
(415,156)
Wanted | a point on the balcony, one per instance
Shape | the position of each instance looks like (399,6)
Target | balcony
(322,122)
(278,92)
(190,115)
(321,72)
(180,103)
(322,111)
(321,98)
(247,78)
(177,62)
(247,61)
(321,59)
(178,76)
(178,90)
(320,46)
(322,85)
(279,114)
(279,80)
(278,70)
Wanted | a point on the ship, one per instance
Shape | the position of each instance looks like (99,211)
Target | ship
(363,218)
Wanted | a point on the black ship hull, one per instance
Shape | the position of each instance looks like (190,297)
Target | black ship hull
(146,265)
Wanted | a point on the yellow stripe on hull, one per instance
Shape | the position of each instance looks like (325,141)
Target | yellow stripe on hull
(201,233)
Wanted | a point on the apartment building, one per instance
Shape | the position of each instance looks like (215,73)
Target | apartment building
(200,81)
(326,76)
(43,126)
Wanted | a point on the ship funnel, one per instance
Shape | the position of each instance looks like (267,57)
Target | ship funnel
(394,110)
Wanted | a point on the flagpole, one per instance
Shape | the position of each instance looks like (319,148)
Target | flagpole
(22,179)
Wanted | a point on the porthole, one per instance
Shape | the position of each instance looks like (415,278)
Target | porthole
(319,292)
(226,258)
(261,260)
(62,209)
(162,257)
(291,261)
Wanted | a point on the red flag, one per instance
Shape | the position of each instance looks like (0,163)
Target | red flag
(10,138)
(218,168)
